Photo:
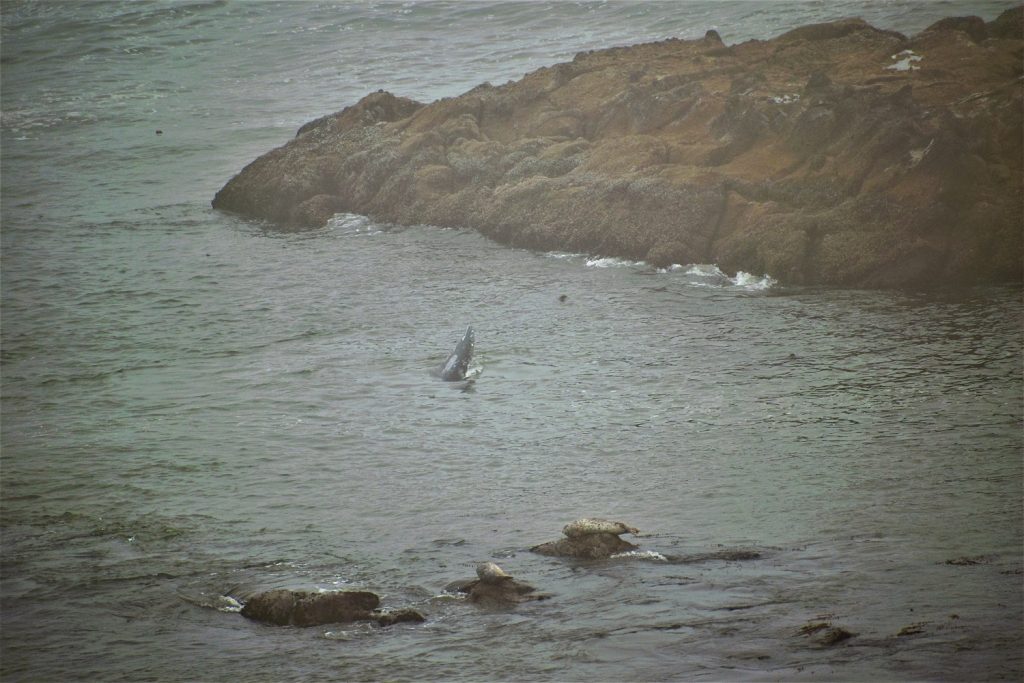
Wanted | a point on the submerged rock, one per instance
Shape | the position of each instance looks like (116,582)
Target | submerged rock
(835,154)
(825,633)
(834,634)
(728,555)
(398,616)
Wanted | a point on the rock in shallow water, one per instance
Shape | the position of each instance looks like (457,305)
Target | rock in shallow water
(495,588)
(307,608)
(283,607)
(590,547)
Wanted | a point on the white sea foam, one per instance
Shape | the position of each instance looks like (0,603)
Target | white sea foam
(611,262)
(706,270)
(788,98)
(710,275)
(226,603)
(353,224)
(753,282)
(641,555)
(916,155)
(701,274)
(906,61)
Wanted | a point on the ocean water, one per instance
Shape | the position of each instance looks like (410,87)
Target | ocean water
(197,407)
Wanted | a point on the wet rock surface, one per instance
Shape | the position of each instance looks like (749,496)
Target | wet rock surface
(591,547)
(835,154)
(590,538)
(283,607)
(727,555)
(496,589)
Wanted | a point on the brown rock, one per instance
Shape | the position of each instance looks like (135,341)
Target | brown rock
(828,155)
(1009,24)
(495,588)
(589,547)
(975,27)
(306,608)
(503,594)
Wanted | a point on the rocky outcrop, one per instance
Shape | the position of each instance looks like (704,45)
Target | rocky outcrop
(591,547)
(283,607)
(589,538)
(495,589)
(836,154)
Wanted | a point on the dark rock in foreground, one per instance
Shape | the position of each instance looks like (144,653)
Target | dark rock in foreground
(283,607)
(834,154)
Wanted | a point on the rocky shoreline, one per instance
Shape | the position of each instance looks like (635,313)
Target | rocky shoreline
(836,154)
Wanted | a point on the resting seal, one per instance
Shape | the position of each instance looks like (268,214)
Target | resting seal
(593,525)
(497,588)
(488,572)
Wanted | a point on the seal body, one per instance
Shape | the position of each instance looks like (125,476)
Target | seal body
(588,526)
(488,572)
(455,367)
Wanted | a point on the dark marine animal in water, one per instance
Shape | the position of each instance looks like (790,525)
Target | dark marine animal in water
(455,367)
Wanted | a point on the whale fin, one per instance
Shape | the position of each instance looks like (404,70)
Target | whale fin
(458,362)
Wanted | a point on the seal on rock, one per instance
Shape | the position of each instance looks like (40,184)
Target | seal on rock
(589,539)
(490,573)
(594,525)
(495,587)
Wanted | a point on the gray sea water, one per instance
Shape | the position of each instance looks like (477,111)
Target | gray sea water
(197,406)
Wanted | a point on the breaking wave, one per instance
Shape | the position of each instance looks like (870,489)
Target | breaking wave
(710,275)
(699,274)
